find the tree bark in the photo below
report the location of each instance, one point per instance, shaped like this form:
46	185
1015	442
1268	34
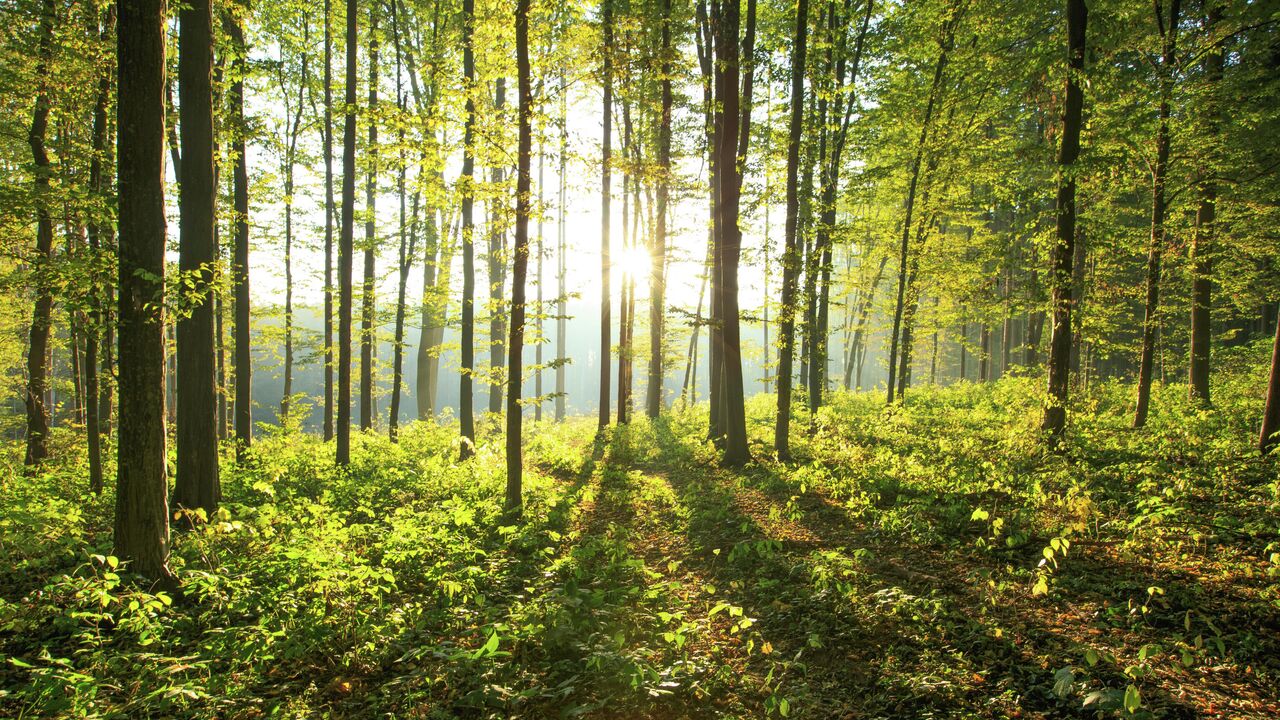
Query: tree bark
790	257
42	315
658	251
242	361
1063	253
1203	234
142	506
197	485
346	240
327	129
1155	251
1269	437
606	331
369	289
466	400
520	265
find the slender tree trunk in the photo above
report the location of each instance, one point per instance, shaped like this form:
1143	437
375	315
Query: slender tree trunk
242	362
562	291
864	314
368	292
497	264
291	156
327	130
1151	321
790	258
42	315
346	240
605	197
520	265
142	503
984	360
98	186
1202	237
537	358
1063	253
408	241
658	251
197	485
466	400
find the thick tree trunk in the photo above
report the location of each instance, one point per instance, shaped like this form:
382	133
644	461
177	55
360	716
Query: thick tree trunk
1269	437
1063	252
520	265
142	505
197	485
346	240
728	57
1151	321
466	400
42	315
242	361
369	289
791	255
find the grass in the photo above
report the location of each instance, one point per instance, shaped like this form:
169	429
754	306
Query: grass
922	561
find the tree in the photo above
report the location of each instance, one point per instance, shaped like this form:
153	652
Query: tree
467	188
196	437
791	253
97	400
1269	437
1206	216
142	504
520	264
606	302
1155	251
346	241
368	291
658	252
42	314
243	360
327	129
1063	251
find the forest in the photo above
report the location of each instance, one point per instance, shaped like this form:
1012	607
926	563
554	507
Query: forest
639	359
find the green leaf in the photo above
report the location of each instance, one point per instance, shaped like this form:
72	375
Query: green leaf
1132	699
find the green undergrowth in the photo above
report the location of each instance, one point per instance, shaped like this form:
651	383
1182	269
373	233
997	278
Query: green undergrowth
925	560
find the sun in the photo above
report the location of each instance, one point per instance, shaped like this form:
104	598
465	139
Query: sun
634	261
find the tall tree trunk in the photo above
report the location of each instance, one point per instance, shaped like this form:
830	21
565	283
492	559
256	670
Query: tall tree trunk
408	241
197	485
1151	321
903	259
466	411
864	314
520	264
606	331
142	503
628	242
1203	234
561	257
327	129
728	54
539	249
497	258
984	360
98	186
42	315
658	251
1269	437
242	362
1063	253
791	258
346	240
368	292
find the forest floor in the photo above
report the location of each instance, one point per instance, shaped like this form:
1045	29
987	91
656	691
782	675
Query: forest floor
925	561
